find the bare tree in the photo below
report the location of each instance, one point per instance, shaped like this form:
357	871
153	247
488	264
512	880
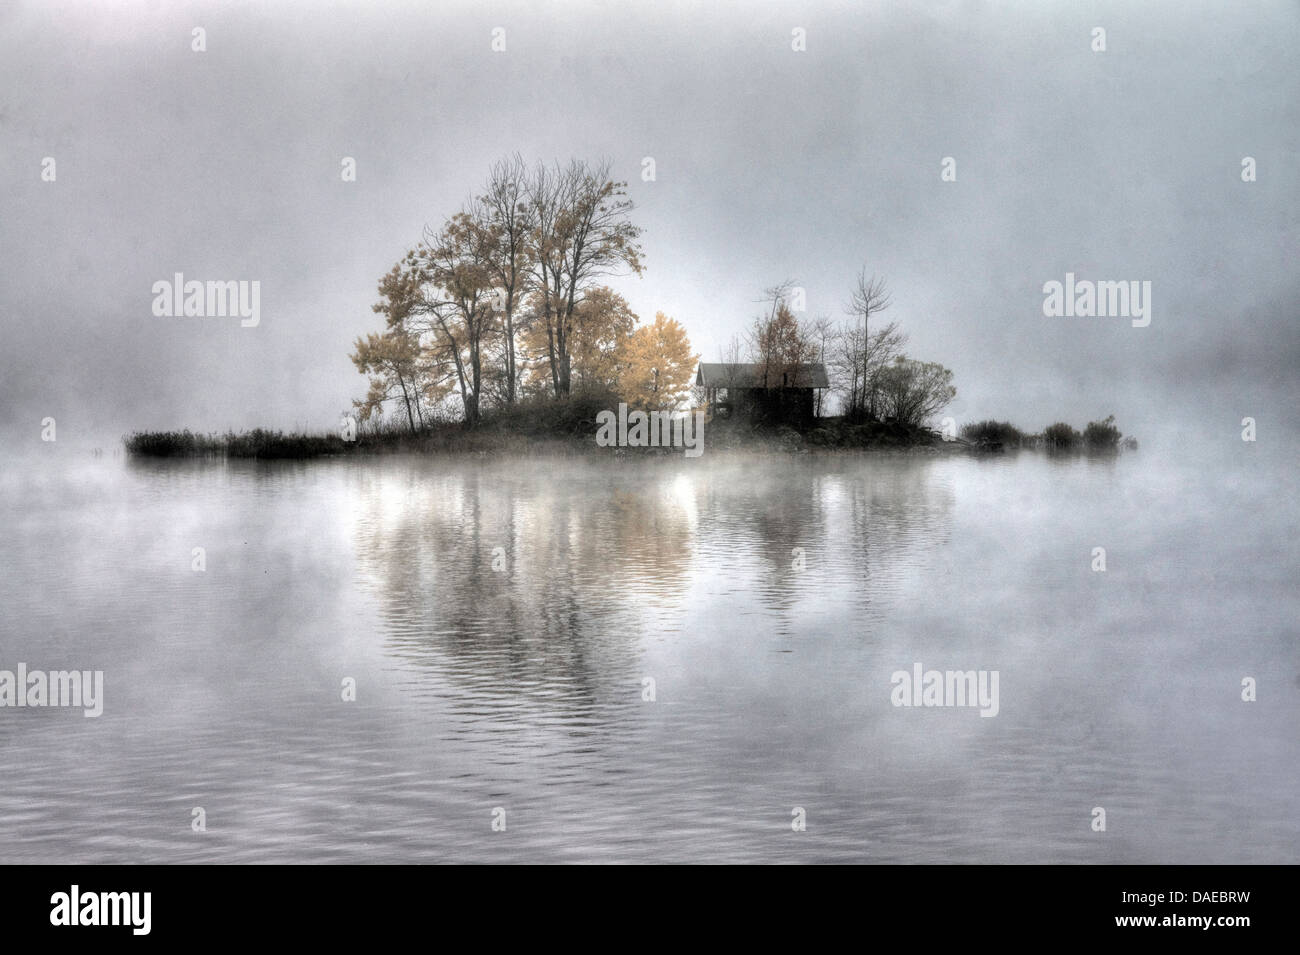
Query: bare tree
730	357
860	355
731	354
503	212
581	231
869	297
820	332
857	361
778	295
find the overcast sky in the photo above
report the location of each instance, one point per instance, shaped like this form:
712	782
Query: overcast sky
770	164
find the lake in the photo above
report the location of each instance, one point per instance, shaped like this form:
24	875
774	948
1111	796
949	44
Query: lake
629	660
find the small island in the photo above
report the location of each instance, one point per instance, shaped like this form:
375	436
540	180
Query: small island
500	336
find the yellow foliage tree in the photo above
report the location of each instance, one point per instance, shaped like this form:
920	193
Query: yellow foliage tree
655	365
601	324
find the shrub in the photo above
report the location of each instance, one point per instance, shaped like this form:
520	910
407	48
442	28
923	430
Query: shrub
993	432
1101	435
276	444
573	414
1060	437
912	392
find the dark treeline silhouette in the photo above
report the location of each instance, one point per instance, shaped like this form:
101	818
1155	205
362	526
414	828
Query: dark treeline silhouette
1061	436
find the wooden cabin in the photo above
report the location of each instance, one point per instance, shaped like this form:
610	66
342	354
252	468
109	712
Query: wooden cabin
775	394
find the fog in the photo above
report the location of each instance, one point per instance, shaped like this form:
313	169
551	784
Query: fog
770	164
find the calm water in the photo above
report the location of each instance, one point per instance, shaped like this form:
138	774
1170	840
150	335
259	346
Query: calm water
521	686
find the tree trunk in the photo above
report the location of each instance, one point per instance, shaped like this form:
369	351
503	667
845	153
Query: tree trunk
407	398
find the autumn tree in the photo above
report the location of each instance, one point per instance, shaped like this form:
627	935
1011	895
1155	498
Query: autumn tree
581	231
517	271
655	366
452	303
602	323
779	345
503	213
391	360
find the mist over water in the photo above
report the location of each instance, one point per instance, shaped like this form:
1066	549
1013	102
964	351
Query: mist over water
521	686
653	659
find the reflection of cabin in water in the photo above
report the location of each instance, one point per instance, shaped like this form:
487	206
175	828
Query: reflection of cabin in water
768	392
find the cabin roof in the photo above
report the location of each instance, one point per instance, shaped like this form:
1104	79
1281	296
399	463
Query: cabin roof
757	375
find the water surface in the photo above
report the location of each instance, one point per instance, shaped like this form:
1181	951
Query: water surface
769	602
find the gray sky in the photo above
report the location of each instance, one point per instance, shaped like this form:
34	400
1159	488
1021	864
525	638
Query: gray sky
770	163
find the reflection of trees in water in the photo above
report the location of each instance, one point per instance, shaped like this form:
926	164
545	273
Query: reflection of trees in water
583	548
757	514
893	507
850	515
600	554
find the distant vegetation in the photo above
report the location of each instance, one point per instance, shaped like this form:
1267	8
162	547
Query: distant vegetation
505	305
1060	437
990	432
164	444
247	444
1098	436
1101	435
540	424
535	423
499	334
